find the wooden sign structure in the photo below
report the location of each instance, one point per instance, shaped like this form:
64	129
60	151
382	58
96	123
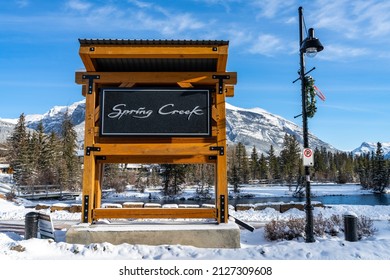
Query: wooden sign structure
154	101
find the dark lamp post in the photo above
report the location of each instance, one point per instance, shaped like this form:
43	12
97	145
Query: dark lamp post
309	46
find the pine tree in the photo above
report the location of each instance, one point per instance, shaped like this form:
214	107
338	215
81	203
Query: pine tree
290	159
113	177
51	155
18	151
242	163
364	170
141	180
205	178
72	173
174	177
235	179
273	163
264	170
254	165
380	172
155	179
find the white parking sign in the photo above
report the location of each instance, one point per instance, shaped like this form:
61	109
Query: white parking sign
308	159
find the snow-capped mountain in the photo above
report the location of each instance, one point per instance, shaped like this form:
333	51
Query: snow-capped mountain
368	147
252	127
52	119
257	127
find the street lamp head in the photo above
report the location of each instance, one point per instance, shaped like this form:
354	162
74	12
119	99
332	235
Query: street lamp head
311	45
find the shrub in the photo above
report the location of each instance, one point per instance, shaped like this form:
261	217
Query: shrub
281	229
295	227
365	227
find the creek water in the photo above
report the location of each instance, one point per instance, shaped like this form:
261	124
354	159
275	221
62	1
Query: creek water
361	199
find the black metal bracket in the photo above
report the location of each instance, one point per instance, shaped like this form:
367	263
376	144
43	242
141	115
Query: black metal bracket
90	149
212	157
220	81
222	207
101	157
90	81
218	148
86	211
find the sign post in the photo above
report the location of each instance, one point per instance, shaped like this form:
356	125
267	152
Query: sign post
154	101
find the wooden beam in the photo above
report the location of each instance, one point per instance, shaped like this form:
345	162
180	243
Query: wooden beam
154	213
194	78
149	52
156	149
229	90
222	59
154	140
87	62
150	159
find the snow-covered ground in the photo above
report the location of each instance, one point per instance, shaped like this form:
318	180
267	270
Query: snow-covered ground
253	244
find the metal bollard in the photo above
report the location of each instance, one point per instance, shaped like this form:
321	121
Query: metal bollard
31	225
350	228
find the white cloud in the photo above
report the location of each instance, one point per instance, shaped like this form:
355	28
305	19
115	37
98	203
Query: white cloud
342	52
172	25
267	45
140	4
22	3
354	19
78	5
271	8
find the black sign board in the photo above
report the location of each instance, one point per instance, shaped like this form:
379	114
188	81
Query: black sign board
155	112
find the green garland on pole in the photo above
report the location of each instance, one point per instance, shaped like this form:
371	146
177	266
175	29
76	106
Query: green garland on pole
310	93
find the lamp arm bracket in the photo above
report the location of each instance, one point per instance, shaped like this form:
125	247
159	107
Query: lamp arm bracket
312	69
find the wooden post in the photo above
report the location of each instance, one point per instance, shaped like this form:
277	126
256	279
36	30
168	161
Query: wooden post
221	180
88	193
99	172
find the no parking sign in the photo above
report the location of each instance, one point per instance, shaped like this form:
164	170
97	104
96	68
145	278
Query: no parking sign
308	159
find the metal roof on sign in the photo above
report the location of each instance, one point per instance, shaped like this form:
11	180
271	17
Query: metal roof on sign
88	42
119	55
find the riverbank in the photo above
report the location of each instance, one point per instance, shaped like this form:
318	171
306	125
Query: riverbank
254	246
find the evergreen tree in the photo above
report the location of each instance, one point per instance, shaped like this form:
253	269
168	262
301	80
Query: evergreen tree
155	179
174	177
141	179
51	155
264	171
273	163
380	172
242	163
18	152
70	163
114	177
254	165
235	179
364	170
205	175
290	159
33	155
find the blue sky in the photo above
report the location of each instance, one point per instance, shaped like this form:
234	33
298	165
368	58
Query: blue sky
39	54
